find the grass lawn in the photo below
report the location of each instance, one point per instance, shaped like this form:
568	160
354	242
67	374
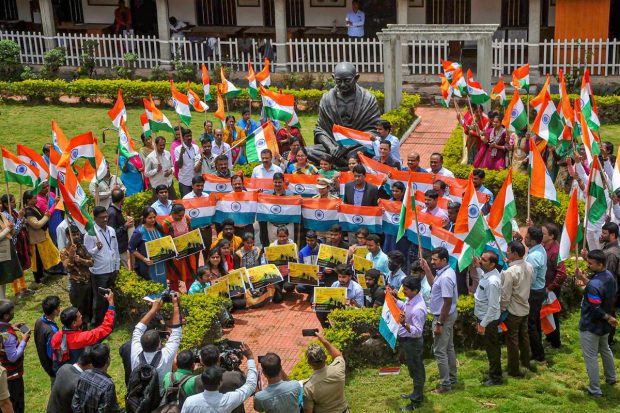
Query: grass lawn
31	125
611	133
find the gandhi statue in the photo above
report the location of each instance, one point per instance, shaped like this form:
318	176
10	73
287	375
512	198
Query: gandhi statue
349	105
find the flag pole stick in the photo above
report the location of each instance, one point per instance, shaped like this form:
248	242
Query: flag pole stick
527	108
529	197
417	230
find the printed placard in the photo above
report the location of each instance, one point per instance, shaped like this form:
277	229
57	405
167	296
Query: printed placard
264	275
306	274
331	256
243	272
188	244
161	249
281	254
361	251
218	289
327	299
361	265
236	284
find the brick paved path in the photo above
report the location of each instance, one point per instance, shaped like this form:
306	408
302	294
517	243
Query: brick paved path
431	134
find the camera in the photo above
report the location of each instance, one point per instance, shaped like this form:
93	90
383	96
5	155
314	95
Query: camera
230	355
166	295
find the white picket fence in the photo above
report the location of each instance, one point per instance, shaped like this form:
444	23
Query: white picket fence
601	56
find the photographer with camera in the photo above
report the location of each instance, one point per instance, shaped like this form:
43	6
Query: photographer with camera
281	395
146	344
213	399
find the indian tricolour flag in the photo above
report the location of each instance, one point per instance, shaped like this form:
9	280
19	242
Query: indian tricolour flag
260	139
449	68
446	90
475	90
548	124
227	88
81	146
278	209
521	77
59	139
504	209
615	178
264	77
391	215
200	210
470	225
499	92
252	83
146	128
541	184
442	238
458	82
238	206
157	120
35	159
515	118
206	83
389	323
126	147
591	142
571	232
353	217
596	199
75	202
319	214
18	171
216	184
118	111
279	106
57	168
588	104
537	102
424	225
181	104
220	113
304	185
564	108
349	137
194	100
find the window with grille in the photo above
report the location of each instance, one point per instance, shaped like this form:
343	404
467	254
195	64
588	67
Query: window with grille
515	13
294	13
216	12
8	10
70	11
448	11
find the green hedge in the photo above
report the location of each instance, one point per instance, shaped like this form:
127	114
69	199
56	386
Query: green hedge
203	314
541	209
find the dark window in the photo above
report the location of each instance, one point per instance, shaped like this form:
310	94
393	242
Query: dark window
216	12
448	11
8	10
294	13
515	13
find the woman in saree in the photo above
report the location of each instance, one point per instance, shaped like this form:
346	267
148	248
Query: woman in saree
147	231
494	148
184	269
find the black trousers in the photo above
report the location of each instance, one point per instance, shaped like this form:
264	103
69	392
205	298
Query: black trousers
413	353
494	350
534	329
16	390
184	190
81	296
100	304
39	274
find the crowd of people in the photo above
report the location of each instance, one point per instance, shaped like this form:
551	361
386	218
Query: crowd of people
509	291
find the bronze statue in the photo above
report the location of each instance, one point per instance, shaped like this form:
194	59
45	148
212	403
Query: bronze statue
349	105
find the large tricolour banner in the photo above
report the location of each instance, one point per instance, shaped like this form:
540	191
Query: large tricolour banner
353	217
238	206
320	214
279	209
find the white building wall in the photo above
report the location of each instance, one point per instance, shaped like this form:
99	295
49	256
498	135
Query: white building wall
250	16
416	15
98	14
485	11
325	16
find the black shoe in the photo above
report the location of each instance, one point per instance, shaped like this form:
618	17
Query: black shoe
611	383
491	382
518	375
410	407
595	395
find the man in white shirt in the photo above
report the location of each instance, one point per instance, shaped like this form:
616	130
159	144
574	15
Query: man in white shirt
384	128
430	200
103	248
437	166
104	188
188	156
220	147
267	169
355	20
159	168
211	400
146	345
487	311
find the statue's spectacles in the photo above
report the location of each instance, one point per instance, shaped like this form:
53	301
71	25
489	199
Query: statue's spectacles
344	79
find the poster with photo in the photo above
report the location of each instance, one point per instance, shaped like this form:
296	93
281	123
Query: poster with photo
188	244
327	299
331	256
281	254
219	289
306	274
160	249
264	275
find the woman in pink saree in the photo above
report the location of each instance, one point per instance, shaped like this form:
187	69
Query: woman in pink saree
495	146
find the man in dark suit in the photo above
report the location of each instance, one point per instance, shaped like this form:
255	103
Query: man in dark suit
359	192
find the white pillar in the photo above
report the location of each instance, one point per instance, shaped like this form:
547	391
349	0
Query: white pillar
392	71
533	37
281	35
163	29
47	21
402	8
484	60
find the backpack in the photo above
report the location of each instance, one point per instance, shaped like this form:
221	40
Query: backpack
175	396
143	394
